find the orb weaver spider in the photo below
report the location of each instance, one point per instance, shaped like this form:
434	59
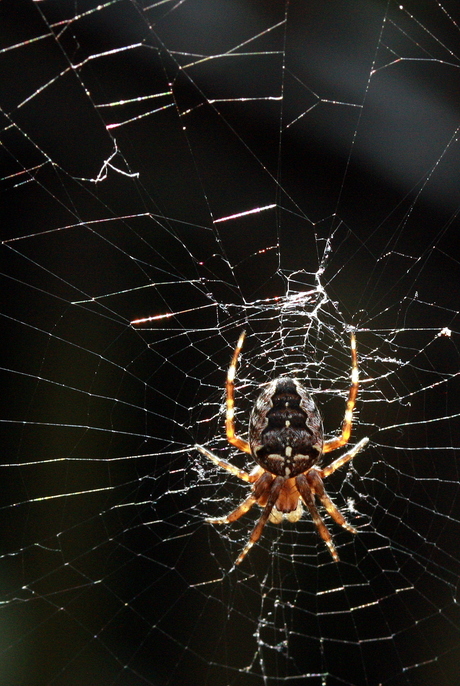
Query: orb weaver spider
286	440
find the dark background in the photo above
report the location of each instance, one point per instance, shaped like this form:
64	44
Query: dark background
343	117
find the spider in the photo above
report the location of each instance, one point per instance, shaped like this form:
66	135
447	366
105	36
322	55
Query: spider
286	440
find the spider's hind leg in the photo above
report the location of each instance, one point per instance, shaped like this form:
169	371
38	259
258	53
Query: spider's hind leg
230	400
240	473
343	459
339	441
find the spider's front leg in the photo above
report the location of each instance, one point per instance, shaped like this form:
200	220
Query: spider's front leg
275	485
242	508
311	484
309	500
316	485
260	491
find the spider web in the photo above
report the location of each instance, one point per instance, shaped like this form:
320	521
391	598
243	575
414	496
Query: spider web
175	172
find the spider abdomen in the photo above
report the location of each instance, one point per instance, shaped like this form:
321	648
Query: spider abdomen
285	428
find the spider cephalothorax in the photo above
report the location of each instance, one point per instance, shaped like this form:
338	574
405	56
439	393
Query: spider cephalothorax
286	440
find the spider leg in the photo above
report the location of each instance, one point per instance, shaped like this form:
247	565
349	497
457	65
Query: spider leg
260	493
240	473
343	459
230	390
344	437
275	489
307	496
242	508
316	485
